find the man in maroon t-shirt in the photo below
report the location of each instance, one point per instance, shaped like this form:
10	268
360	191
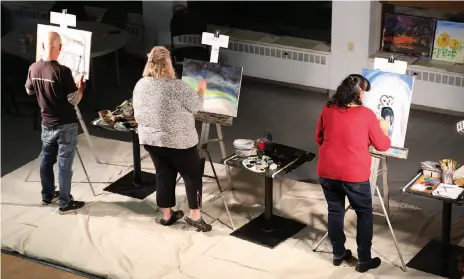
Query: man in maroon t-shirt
57	94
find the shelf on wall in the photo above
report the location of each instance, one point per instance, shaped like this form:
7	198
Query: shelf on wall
264	38
428	63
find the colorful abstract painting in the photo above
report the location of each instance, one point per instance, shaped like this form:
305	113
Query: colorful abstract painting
449	42
408	35
390	98
223	85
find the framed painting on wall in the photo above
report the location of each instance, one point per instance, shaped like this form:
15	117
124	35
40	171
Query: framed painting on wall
408	35
449	41
390	98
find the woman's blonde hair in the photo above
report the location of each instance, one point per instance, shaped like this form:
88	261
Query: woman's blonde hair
159	64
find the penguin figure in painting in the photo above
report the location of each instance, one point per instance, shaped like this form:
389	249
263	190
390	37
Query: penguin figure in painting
386	102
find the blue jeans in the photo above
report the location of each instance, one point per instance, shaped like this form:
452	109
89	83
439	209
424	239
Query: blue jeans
360	198
58	141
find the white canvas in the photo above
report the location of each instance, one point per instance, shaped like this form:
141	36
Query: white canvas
75	51
390	98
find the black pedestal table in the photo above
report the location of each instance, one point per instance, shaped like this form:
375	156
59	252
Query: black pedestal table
137	183
268	229
438	257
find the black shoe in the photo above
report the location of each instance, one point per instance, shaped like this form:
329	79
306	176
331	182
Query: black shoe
72	206
52	200
373	263
347	256
55	198
200	224
175	216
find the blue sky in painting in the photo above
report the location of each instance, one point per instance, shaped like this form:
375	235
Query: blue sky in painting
454	29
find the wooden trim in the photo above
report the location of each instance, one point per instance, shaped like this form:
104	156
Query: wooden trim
447	6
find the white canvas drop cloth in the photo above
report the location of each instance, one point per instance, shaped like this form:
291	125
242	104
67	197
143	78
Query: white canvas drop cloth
116	237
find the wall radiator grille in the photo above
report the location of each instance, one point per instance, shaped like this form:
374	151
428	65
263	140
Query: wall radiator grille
436	77
262	50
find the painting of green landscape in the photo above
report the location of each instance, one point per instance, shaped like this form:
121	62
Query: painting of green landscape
223	85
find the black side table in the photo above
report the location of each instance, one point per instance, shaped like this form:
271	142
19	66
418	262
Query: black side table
268	229
438	257
137	183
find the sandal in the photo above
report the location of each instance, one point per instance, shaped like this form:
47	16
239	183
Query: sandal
200	224
175	216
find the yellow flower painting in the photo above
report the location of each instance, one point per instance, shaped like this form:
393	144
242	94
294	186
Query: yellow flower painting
449	42
455	44
443	40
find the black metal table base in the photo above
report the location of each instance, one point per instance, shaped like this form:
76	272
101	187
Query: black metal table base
255	231
429	260
127	187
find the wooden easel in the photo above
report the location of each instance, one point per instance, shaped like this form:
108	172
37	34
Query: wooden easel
379	161
215	41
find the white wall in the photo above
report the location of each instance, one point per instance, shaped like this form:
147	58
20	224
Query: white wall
358	23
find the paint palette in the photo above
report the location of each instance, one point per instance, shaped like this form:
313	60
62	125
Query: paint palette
255	164
425	184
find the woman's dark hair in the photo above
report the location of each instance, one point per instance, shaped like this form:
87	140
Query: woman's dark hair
348	92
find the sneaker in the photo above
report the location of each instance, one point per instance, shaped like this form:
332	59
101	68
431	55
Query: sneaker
200	224
72	207
55	198
347	256
52	200
175	216
373	263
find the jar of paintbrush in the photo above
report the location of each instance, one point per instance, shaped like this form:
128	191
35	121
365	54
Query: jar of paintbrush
448	167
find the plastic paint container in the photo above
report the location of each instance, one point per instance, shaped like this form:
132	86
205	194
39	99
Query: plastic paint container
243	147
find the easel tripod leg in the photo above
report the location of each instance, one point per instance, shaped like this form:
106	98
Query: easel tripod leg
86	133
391	229
386	193
85	172
220	190
326	234
224	154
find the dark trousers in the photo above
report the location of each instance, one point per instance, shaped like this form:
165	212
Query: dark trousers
360	198
168	163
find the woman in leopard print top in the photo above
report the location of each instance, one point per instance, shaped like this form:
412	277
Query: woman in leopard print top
164	108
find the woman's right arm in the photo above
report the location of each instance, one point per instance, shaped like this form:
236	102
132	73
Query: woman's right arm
192	100
377	137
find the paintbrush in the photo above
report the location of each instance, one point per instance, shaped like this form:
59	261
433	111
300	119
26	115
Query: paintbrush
448	165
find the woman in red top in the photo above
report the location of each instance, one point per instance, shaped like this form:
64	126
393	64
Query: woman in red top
344	132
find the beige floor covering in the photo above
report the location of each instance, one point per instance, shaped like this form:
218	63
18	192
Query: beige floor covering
116	236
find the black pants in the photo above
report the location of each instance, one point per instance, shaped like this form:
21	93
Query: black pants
168	163
360	198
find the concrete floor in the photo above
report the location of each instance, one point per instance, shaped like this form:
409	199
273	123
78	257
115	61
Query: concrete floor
290	113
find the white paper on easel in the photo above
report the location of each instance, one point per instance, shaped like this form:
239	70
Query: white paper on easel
75	49
398	67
